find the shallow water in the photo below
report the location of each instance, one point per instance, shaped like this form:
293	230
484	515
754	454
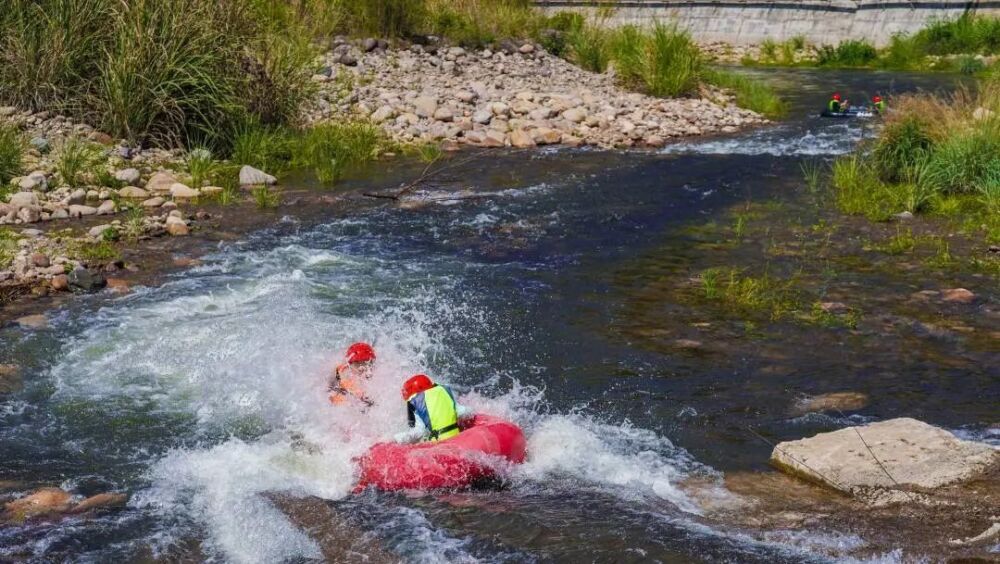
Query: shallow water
546	299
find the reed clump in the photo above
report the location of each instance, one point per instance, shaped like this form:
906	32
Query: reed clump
932	150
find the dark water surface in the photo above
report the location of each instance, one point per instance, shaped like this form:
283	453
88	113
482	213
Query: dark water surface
554	297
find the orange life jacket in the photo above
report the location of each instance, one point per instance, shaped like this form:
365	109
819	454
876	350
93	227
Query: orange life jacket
346	386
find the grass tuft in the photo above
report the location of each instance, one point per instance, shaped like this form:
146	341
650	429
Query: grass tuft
12	148
75	159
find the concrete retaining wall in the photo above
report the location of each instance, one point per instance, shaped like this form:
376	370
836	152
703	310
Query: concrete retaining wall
750	22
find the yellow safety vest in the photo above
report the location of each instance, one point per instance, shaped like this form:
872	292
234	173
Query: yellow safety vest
436	408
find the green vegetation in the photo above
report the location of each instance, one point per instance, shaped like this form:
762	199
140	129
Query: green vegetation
947	44
330	148
98	252
749	294
851	53
11	153
931	152
202	167
75	159
750	93
8	246
663	61
266	198
169	72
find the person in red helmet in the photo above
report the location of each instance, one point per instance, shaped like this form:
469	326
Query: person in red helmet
431	411
879	104
346	380
836	105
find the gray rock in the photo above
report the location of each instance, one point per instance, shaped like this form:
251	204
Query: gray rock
872	461
178	190
97	232
32	233
369	44
383	113
250	176
107	207
482	117
78	197
21	199
444	114
59	213
85	280
161	182
128	175
425	106
40	144
81	211
153	202
133	192
29	214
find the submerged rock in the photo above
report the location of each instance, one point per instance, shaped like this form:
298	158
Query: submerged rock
957	295
85	280
10	378
836	401
43	502
880	462
37	321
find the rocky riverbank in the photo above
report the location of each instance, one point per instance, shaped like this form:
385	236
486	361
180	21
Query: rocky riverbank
516	96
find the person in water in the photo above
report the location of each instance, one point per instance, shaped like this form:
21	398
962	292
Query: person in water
431	411
835	105
347	379
878	104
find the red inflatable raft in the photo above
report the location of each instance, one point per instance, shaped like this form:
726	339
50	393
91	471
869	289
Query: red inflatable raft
485	445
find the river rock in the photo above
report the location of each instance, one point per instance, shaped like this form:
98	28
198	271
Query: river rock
39	260
118	285
521	139
153	202
482	117
21	199
383	113
128	175
37	321
250	176
29	214
10	378
40	144
76	198
161	182
181	191
107	207
97	232
425	106
133	192
59	282
34	181
211	190
42	502
81	211
59	213
835	401
913	453
100	501
176	226
958	296
85	280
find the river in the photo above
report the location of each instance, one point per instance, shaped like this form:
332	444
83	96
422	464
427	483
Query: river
536	299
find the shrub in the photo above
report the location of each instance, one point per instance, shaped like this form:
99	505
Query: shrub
903	53
902	145
851	53
11	153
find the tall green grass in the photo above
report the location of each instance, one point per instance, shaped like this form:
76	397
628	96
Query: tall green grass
12	148
169	72
750	93
662	61
329	149
932	152
851	53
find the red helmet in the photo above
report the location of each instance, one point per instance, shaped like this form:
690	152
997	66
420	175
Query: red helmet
360	352
836	97
416	384
877	99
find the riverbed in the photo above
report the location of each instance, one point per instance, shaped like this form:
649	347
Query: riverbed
555	287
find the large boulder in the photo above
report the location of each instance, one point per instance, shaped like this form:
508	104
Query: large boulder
877	462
